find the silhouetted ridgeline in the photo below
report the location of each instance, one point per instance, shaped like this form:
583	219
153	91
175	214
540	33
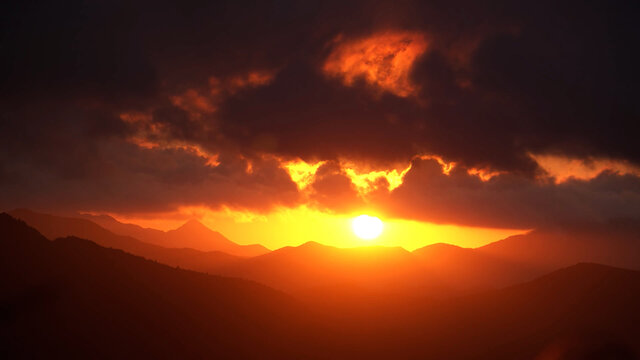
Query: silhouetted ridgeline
54	227
191	234
435	271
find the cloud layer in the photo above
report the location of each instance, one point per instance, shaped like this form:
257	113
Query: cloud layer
150	106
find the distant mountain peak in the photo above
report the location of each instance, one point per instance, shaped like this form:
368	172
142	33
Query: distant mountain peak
193	224
439	248
312	244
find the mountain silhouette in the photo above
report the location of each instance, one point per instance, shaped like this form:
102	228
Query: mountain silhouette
147	235
192	234
320	273
469	269
524	257
72	298
585	311
316	272
54	227
195	235
311	269
615	243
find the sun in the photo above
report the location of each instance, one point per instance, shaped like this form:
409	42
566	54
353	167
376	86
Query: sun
367	227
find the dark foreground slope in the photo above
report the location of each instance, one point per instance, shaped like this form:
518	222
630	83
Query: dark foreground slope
73	297
586	311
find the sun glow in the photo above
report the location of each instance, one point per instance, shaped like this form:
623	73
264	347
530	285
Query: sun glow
367	227
290	227
301	172
365	181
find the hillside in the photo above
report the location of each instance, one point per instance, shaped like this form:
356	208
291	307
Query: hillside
74	298
586	311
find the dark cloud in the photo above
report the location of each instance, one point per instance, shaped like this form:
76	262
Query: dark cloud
510	200
547	78
333	190
499	80
127	178
311	116
567	74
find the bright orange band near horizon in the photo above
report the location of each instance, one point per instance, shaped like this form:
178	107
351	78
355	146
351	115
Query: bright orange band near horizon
296	226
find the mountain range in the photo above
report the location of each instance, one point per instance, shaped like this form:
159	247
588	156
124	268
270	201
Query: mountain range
192	234
54	227
434	271
73	298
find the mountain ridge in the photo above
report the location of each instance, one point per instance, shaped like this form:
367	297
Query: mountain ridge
437	270
73	298
53	227
208	240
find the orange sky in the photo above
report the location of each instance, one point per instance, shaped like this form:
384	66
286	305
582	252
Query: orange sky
294	226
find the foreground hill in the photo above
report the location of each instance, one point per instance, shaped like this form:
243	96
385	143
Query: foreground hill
192	234
586	311
73	298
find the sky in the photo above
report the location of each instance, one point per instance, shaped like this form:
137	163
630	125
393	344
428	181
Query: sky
279	121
